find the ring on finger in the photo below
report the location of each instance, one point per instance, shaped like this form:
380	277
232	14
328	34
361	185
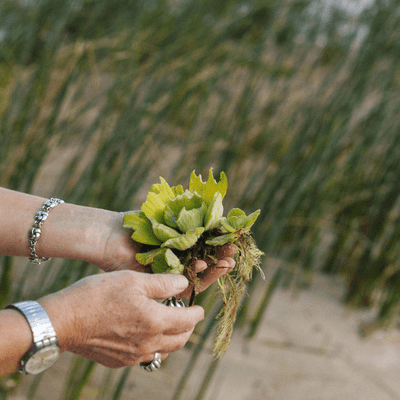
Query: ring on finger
153	365
173	302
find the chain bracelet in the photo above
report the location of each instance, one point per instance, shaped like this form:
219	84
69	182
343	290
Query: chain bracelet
35	231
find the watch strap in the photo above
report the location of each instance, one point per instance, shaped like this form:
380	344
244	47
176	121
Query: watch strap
37	318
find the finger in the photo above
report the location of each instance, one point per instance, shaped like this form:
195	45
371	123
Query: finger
212	274
163	286
175	342
222	264
227	250
104	356
199	266
186	294
209	275
178	320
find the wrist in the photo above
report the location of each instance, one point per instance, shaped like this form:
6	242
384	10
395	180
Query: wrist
45	350
63	316
75	232
15	338
118	250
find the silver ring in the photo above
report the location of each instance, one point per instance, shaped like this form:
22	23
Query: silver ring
173	302
153	365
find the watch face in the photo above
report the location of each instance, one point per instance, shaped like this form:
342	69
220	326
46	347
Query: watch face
42	359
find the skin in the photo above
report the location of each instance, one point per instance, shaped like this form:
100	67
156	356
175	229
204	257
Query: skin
121	323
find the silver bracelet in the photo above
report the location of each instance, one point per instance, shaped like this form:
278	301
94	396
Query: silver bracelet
35	231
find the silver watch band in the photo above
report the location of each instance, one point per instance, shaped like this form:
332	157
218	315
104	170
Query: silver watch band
37	318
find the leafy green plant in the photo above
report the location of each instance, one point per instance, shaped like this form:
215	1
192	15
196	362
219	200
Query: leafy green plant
177	226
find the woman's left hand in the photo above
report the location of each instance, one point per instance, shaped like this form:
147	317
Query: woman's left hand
88	234
119	253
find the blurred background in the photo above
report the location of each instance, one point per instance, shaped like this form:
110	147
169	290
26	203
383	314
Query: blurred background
296	100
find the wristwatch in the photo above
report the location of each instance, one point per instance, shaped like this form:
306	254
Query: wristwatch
45	350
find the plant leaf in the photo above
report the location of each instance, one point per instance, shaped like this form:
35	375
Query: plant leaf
191	219
208	189
143	230
153	207
167	262
235	212
177	190
159	264
148	257
184	241
221	240
226	225
237	222
163	232
163	190
174	263
214	212
156	201
170	218
251	219
237	219
188	200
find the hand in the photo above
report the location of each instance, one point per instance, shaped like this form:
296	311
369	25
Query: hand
83	233
120	251
113	318
209	270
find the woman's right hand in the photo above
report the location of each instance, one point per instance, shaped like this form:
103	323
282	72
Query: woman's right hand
113	318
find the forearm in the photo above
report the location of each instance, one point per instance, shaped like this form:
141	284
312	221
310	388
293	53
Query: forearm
16	336
70	231
15	340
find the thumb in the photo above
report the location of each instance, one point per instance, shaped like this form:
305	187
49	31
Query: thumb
163	286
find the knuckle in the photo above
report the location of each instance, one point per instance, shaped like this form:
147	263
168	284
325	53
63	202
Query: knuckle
154	283
174	345
178	346
126	276
161	281
128	360
182	341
